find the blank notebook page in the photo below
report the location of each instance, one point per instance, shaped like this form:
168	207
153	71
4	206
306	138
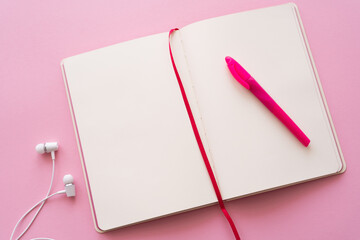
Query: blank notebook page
250	148
139	149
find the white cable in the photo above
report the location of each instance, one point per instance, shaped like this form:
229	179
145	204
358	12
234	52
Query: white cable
32	220
44	199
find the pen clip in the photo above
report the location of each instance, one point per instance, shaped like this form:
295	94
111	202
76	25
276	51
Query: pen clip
238	72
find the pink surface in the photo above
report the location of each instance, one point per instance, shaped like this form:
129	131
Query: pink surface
34	37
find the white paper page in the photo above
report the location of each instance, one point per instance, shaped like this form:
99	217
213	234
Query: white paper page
251	149
140	152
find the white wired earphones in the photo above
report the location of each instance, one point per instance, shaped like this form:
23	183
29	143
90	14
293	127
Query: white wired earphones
68	180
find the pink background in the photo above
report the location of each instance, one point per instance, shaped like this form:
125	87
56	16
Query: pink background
35	36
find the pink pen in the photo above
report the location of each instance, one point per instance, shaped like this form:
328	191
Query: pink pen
245	79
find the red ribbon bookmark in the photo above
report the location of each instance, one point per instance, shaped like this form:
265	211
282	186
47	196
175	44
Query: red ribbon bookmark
201	146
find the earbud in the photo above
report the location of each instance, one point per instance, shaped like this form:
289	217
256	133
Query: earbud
49	147
69	185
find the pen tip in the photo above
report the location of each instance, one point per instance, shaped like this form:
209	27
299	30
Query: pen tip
228	59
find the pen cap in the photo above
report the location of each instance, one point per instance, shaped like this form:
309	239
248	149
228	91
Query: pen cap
239	73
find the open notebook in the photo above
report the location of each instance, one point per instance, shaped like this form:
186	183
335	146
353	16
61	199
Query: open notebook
140	157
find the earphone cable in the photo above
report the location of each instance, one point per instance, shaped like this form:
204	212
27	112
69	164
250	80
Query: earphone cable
42	200
37	212
42	238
